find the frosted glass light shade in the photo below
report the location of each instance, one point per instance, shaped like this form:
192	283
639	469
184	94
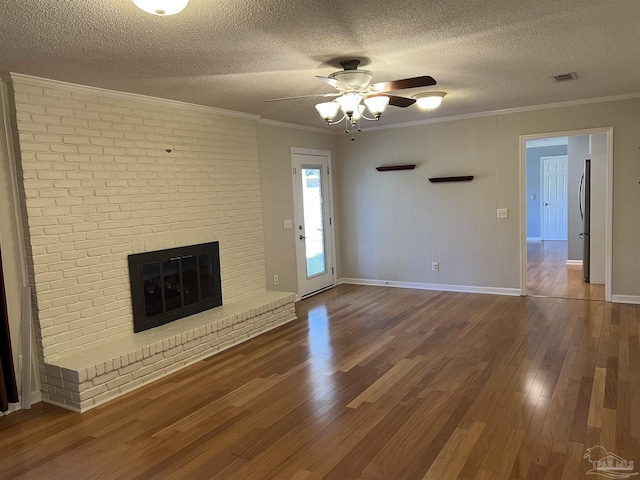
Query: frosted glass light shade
349	103
161	7
377	105
328	110
429	100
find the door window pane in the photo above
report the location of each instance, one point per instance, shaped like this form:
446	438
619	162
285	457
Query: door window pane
313	221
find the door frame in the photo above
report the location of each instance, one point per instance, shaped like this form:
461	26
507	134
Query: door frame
608	195
330	232
542	185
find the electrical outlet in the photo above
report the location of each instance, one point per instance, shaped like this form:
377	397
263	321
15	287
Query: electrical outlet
435	266
275	280
287	224
503	213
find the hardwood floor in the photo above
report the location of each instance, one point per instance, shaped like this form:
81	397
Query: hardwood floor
548	275
369	383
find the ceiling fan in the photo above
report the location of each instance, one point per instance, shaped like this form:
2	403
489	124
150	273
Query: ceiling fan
354	88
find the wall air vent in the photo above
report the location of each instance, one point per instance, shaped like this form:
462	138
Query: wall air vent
565	77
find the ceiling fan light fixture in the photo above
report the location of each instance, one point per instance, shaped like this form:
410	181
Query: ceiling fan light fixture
328	110
359	100
161	8
349	103
358	114
377	104
353	78
429	100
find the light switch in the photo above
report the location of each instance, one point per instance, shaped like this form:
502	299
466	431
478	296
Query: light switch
533	196
503	213
287	223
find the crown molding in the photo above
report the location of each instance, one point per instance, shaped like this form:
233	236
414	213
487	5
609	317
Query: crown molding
506	111
306	128
11	77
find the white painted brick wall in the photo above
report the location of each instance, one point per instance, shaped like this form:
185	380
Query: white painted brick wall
99	185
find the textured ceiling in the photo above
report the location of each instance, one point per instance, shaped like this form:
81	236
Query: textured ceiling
231	54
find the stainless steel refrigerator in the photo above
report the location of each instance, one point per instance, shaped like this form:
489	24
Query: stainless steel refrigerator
584	199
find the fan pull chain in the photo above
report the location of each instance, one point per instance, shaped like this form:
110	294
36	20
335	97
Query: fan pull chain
350	124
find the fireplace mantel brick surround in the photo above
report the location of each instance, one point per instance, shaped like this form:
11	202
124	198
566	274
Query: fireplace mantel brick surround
88	378
104	175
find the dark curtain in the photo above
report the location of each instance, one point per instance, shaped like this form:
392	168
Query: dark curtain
8	386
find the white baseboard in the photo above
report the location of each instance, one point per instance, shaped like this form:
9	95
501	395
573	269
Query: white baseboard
36	396
13	407
534	239
61	405
574	262
635	299
432	286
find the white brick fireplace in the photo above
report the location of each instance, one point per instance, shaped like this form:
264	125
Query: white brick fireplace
106	174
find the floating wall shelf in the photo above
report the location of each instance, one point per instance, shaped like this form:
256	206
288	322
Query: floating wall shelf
395	167
466	178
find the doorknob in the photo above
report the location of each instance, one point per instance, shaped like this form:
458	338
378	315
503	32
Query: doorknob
546	204
302	237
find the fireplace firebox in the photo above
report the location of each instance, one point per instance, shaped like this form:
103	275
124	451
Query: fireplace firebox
170	284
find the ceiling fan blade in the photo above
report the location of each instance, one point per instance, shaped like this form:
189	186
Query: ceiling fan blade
335	83
424	81
336	94
400	101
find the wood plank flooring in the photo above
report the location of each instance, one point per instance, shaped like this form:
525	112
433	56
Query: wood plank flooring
370	383
548	275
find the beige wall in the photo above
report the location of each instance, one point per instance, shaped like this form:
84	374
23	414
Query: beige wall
393	225
274	145
10	250
598	152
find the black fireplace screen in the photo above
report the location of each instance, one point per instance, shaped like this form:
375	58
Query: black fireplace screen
170	284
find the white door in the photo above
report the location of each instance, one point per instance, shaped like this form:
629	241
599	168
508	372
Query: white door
554	198
313	222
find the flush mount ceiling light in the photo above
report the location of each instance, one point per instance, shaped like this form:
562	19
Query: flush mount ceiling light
429	100
355	93
161	8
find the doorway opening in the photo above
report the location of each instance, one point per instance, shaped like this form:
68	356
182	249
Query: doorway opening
566	247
